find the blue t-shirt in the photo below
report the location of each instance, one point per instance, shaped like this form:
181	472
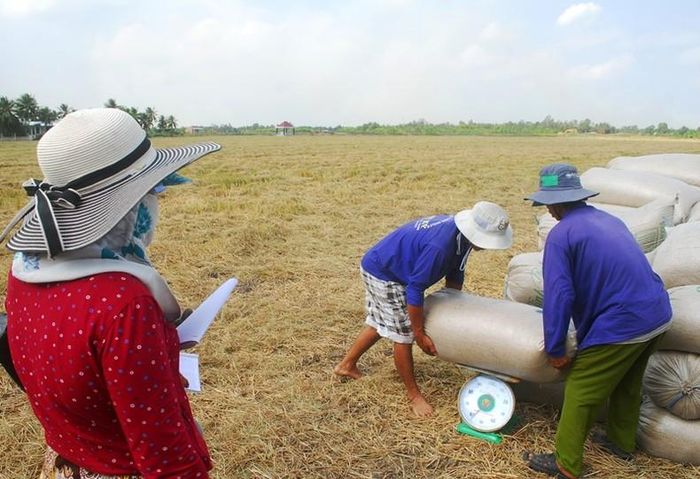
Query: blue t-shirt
596	273
419	254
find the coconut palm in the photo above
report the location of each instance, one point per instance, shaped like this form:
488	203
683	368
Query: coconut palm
47	116
111	103
9	123
63	110
171	122
26	108
149	118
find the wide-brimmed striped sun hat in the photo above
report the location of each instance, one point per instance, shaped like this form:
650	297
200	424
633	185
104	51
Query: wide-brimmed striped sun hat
97	165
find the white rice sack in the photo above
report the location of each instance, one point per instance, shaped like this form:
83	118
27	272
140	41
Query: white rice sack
694	214
524	279
635	188
662	434
677	259
684	334
672	381
650	256
490	334
545	223
647	223
683	166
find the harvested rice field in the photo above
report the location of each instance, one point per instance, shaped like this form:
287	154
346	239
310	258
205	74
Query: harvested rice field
291	217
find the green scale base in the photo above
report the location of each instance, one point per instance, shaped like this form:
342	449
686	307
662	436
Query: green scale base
492	437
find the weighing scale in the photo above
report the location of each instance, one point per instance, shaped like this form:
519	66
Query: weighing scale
486	404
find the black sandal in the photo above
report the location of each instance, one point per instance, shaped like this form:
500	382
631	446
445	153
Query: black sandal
546	464
601	439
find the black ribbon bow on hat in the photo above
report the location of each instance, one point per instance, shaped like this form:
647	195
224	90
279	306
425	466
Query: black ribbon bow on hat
46	196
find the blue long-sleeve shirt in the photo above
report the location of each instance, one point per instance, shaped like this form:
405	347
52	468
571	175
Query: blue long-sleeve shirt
419	254
595	273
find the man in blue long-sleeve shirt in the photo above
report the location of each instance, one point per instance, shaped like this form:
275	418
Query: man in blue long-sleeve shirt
397	271
596	275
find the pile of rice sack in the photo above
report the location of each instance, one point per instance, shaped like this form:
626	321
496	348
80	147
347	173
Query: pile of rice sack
658	198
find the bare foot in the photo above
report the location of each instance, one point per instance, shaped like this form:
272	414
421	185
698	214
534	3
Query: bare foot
420	407
351	372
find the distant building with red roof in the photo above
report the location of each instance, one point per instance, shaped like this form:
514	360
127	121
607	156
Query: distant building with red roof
284	129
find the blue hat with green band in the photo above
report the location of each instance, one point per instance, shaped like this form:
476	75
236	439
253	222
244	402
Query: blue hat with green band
559	183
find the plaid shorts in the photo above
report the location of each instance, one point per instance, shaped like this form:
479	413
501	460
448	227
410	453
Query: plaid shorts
385	302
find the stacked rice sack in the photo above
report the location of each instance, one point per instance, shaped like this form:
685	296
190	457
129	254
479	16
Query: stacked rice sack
658	198
669	422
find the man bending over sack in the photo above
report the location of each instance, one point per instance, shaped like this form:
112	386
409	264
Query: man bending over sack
595	273
397	271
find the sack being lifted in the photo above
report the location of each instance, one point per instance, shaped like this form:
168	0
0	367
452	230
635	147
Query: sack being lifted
636	188
490	334
682	166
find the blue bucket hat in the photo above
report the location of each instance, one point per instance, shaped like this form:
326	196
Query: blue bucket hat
559	183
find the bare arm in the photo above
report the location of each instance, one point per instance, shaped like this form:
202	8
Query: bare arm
415	315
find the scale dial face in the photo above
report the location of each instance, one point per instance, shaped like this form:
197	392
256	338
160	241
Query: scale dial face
486	403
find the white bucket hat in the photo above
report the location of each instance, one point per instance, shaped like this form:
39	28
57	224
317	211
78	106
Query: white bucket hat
486	226
97	164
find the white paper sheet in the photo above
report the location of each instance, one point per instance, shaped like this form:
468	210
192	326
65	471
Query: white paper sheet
189	367
193	328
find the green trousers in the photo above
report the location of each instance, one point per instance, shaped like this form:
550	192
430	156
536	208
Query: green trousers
612	373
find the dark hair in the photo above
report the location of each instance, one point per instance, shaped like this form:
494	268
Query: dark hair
572	204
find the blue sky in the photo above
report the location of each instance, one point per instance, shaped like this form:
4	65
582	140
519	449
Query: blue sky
355	61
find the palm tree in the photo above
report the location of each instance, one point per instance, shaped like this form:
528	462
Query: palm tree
149	118
9	123
63	110
171	122
162	123
26	108
47	116
111	103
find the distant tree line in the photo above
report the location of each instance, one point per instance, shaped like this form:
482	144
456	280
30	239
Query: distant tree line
149	119
16	116
546	127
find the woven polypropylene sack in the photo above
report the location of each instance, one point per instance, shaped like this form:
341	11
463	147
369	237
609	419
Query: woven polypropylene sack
672	381
647	223
662	434
490	334
684	334
524	279
682	166
677	259
636	188
694	214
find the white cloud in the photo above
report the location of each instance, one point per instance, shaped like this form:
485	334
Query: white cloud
23	8
601	70
578	11
690	56
493	32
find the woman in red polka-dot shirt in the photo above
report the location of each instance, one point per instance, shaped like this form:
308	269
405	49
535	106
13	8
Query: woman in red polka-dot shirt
90	323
